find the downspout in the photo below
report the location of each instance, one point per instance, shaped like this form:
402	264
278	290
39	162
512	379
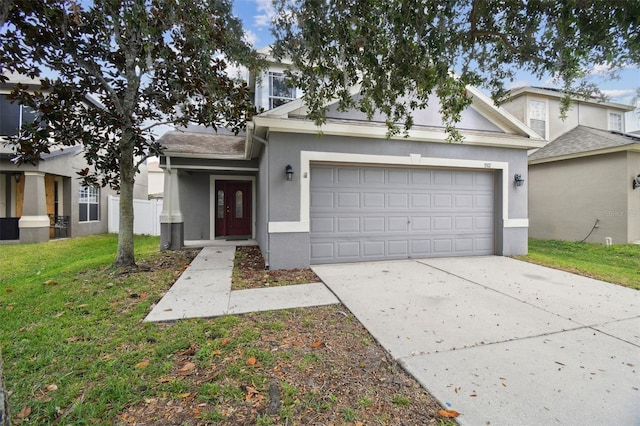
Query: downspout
167	196
266	153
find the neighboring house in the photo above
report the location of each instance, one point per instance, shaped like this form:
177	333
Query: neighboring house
539	108
581	187
44	201
344	192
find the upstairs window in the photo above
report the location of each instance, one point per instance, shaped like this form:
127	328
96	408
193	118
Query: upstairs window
615	121
89	204
13	116
538	117
279	90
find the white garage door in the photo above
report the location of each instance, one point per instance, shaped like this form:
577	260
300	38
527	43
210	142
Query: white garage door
376	213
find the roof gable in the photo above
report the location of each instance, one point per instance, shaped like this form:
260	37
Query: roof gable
481	121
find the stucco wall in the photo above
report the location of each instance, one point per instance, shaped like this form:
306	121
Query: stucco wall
284	196
580	113
261	208
195	193
633	198
566	198
429	116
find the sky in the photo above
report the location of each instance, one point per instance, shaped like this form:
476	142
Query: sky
256	17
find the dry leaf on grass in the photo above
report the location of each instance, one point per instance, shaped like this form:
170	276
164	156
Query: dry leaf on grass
187	369
316	344
24	413
142	364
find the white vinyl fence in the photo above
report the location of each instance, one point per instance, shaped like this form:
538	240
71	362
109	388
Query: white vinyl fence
146	216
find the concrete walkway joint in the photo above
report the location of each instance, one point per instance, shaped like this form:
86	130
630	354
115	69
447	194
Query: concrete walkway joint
204	290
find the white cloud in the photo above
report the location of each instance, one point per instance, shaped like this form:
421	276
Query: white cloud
618	93
266	12
517	84
250	37
606	70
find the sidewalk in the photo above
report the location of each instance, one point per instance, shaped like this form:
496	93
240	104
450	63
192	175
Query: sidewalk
204	290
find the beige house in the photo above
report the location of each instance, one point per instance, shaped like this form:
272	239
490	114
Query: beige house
539	108
585	185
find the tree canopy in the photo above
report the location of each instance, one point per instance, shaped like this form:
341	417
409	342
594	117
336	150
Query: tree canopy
400	52
114	69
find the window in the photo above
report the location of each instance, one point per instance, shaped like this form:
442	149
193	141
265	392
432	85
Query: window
538	117
239	208
279	91
615	121
89	203
12	116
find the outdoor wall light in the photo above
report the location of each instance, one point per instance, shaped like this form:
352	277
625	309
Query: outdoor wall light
636	182
17	177
289	172
518	179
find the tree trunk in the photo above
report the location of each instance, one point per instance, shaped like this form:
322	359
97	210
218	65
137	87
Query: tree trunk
4	399
125	255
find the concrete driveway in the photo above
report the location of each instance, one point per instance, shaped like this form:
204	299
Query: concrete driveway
501	341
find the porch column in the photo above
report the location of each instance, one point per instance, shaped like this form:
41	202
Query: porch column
171	221
34	222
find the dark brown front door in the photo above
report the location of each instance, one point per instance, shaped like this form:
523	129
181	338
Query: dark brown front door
233	208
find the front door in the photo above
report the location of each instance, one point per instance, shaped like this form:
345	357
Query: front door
233	209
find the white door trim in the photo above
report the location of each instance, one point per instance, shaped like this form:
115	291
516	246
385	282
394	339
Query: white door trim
212	201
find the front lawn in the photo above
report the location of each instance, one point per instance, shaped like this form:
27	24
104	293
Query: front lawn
619	264
76	351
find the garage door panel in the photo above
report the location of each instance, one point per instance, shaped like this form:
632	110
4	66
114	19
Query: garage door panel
348	249
463	179
398	176
420	223
398	224
373	248
442	200
483	201
373	224
322	225
349	224
463	201
422	200
373	200
398	248
398	200
322	251
348	176
376	213
421	177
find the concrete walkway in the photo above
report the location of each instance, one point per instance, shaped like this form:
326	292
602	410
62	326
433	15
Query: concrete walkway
204	290
501	341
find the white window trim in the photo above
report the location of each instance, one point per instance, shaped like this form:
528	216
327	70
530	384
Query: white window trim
98	203
270	76
528	111
621	114
413	160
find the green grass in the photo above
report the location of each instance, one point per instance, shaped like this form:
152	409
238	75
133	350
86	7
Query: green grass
619	264
65	354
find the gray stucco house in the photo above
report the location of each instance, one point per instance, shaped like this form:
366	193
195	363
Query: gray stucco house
586	185
351	193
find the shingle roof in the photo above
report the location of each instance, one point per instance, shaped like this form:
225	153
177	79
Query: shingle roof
583	139
212	145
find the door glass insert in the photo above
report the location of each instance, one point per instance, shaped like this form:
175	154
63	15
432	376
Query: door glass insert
220	209
239	208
